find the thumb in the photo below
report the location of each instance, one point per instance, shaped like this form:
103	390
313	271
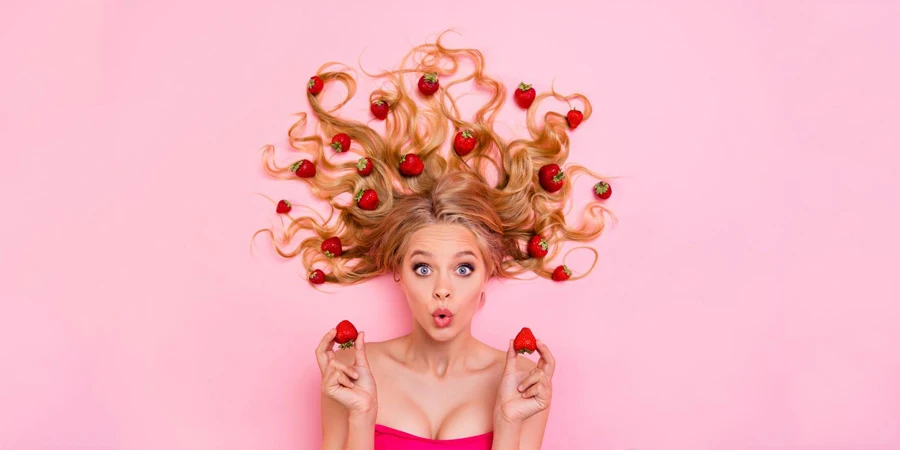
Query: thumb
510	359
361	358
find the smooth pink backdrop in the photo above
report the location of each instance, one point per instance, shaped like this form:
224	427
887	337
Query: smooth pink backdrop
747	298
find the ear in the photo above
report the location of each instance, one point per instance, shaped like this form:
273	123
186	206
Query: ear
481	302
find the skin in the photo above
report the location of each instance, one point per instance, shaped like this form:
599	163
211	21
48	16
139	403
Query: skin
437	383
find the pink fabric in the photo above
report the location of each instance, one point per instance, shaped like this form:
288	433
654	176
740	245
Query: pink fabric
387	438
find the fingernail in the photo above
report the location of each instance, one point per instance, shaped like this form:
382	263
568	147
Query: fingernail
520	388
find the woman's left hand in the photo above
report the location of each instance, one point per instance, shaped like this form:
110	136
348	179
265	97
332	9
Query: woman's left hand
522	397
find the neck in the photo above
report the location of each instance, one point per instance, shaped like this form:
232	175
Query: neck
438	358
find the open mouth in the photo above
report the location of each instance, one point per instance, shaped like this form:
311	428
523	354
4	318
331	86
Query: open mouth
443	320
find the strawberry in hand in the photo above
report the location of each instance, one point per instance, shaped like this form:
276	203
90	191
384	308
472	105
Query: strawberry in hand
522	395
346	374
346	334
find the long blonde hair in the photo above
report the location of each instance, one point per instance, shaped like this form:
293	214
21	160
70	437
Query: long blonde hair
504	209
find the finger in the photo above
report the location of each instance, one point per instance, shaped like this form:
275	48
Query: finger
362	358
344	381
532	378
533	391
341	367
324	351
549	362
510	358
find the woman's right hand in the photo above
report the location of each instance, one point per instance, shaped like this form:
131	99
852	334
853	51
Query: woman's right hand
347	378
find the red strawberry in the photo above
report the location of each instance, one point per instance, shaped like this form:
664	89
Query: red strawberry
411	165
561	273
524	95
304	168
603	190
551	177
364	166
464	142
346	334
574	117
525	341
315	85
332	247
317	276
340	142
379	109
367	199
537	247
283	207
429	84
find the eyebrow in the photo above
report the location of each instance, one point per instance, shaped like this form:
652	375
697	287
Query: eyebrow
429	255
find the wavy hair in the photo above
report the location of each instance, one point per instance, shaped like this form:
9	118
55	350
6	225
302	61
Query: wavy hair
493	191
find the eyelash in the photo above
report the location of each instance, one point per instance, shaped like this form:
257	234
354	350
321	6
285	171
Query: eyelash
466	265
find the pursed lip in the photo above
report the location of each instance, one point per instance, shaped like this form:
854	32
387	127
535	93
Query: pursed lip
442	312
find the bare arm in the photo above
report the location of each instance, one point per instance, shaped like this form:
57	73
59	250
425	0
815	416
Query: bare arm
520	417
343	427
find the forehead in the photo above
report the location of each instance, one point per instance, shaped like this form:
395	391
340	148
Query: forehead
443	241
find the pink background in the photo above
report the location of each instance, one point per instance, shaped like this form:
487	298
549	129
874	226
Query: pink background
747	298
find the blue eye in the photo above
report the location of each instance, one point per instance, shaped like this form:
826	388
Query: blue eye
423	269
420	266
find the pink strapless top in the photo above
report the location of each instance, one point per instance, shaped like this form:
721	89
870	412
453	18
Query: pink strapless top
387	438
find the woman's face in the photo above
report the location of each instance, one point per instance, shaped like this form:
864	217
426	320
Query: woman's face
443	275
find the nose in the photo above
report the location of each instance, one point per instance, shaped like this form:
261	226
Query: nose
442	286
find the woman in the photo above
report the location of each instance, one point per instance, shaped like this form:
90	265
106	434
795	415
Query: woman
442	225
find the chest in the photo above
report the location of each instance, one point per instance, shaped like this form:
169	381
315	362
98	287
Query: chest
449	408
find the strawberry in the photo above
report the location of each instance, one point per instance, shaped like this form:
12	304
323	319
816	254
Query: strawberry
340	142
429	84
304	168
317	276
464	142
411	165
574	117
603	190
537	246
561	273
346	334
379	109
367	199
315	85
525	341
364	166
332	247
524	95
283	207
551	177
